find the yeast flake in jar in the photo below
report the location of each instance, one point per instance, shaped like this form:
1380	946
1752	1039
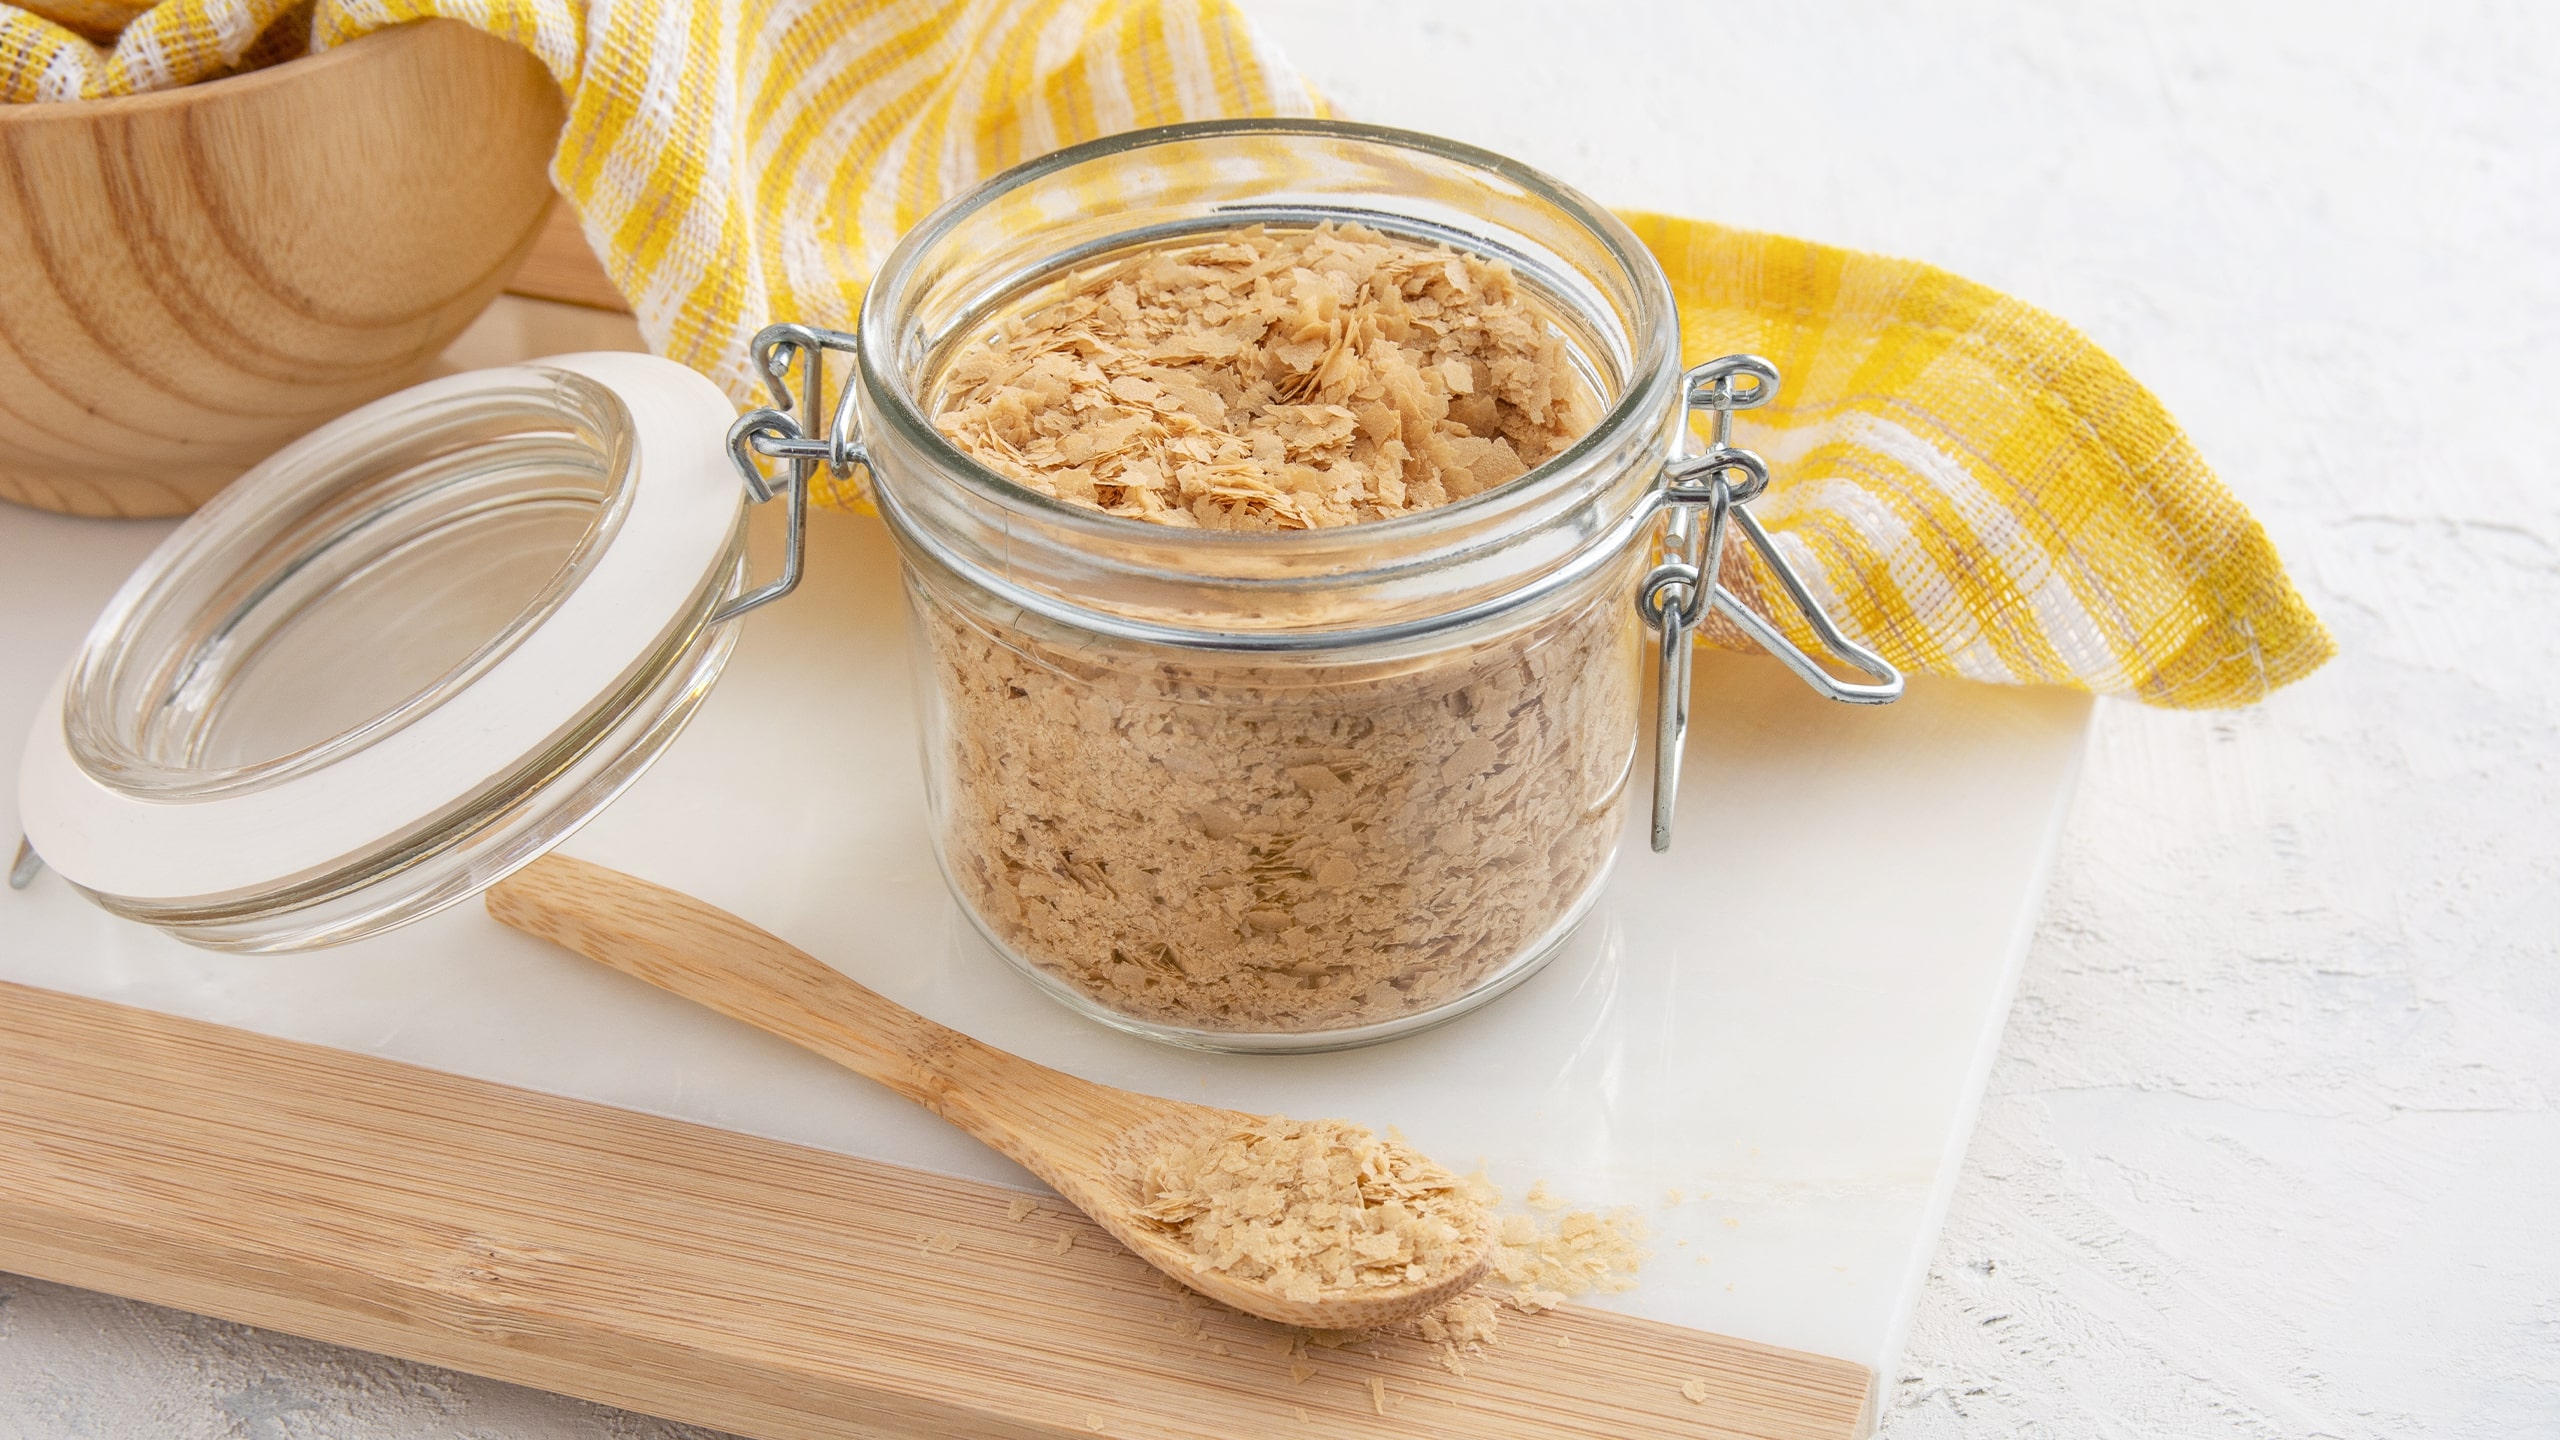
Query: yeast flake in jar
1269	844
1275	500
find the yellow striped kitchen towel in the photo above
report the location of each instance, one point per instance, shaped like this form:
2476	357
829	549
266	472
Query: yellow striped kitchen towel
1975	488
1972	486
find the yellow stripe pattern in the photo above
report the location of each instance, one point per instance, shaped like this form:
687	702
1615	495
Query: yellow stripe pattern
1974	488
1969	484
90	49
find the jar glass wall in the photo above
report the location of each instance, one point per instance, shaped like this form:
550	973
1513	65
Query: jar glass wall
1274	790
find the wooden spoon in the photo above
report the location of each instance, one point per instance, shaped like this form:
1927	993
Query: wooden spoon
1090	1142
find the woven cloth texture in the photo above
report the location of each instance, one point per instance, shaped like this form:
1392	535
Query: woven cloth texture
1969	484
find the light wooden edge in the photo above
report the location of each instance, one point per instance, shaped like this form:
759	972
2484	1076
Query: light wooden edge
560	266
768	1289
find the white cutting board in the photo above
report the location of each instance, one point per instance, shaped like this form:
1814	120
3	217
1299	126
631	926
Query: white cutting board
1788	1019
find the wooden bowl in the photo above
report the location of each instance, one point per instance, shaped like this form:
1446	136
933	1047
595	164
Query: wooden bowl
192	278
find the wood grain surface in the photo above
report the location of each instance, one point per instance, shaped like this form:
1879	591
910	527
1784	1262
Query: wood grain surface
189	279
762	1288
562	267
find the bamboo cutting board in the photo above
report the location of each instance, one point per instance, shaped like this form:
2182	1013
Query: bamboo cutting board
768	1289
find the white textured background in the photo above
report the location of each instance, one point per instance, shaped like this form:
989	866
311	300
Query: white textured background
2271	1148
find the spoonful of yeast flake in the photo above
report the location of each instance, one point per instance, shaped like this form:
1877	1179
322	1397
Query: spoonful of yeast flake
1319	1224
1315	1208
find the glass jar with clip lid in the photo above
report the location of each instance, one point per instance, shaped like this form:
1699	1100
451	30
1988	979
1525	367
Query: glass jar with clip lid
1294	789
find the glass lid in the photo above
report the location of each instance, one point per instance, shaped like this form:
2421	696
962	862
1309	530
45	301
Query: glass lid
402	656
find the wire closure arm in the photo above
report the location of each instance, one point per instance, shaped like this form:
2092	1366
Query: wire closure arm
771	432
1888	680
1676	596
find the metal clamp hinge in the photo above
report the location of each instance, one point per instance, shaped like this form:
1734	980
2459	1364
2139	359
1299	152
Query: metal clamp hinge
1677	593
771	432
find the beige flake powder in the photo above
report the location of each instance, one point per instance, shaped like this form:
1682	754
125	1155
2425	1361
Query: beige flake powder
1240	848
1540	1262
1244	845
1309	1208
1272	380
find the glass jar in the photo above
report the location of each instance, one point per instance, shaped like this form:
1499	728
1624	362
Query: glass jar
1276	791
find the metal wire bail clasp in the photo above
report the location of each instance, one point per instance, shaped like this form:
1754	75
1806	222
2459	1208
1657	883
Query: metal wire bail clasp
1678	592
771	431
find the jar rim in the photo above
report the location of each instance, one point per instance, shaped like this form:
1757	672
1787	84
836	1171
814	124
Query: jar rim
1654	351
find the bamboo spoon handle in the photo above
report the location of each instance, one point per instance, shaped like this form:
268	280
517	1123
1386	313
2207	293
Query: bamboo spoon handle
721	962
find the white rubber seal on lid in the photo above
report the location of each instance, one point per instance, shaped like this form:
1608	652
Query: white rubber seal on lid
683	504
